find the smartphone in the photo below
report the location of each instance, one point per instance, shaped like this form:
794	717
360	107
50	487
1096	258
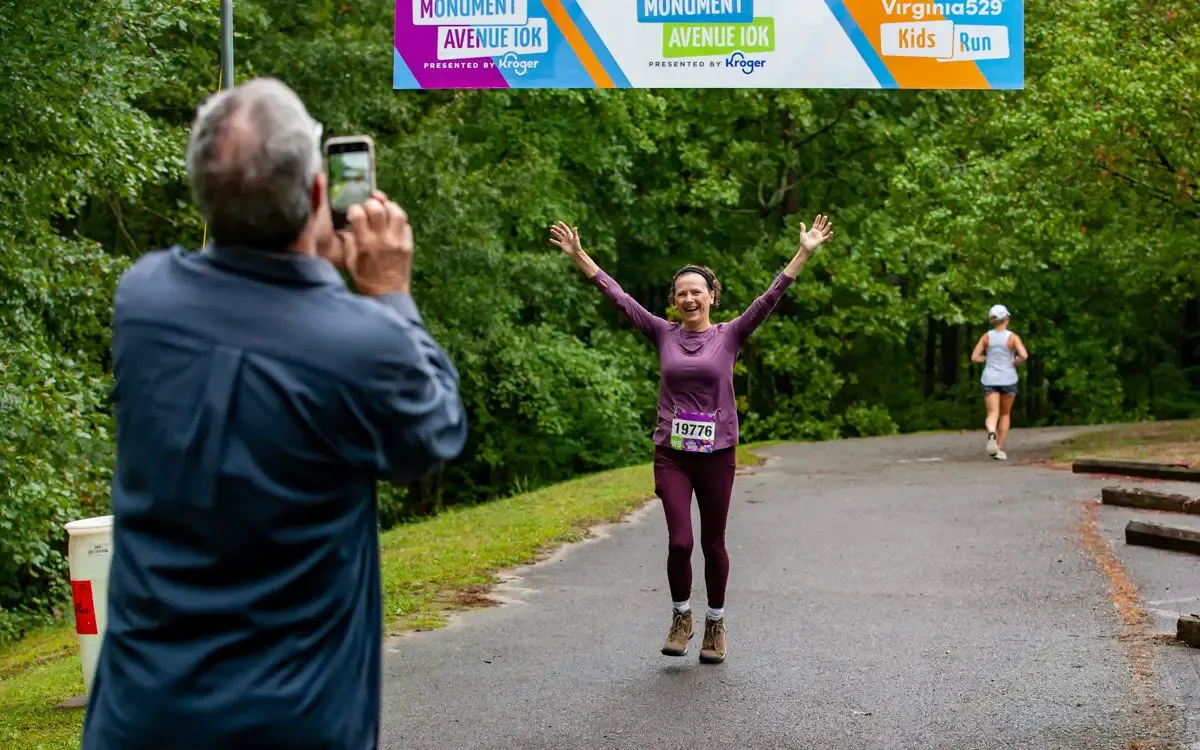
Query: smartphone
350	164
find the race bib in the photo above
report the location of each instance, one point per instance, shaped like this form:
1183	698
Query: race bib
694	432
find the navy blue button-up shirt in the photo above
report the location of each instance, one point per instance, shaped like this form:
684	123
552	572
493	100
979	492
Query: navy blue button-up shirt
258	401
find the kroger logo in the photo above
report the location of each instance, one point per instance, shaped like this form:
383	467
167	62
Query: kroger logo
739	60
510	61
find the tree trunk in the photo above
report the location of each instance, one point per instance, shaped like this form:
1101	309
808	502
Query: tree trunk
930	356
1189	342
791	197
950	355
418	499
1032	404
425	494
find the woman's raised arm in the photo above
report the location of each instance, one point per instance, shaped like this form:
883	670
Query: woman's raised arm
566	238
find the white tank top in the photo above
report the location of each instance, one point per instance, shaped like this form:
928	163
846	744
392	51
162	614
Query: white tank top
1000	369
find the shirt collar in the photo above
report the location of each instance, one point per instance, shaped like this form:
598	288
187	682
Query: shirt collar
285	266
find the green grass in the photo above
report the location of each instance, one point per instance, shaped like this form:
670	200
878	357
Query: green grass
36	674
1175	442
430	568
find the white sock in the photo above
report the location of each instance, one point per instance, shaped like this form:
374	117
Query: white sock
683	607
716	614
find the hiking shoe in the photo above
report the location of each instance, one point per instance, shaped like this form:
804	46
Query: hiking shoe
992	447
712	650
679	635
1000	455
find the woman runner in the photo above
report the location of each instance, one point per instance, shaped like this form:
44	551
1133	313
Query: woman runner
1000	350
697	434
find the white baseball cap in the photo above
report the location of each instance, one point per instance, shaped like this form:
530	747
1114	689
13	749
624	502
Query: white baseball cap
998	312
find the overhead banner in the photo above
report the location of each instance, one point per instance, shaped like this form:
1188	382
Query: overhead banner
784	44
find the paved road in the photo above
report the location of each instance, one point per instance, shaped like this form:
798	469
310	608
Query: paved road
885	594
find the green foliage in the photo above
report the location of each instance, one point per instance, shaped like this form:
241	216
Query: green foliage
75	145
1073	202
869	421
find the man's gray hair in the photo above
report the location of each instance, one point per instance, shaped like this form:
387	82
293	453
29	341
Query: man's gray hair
252	157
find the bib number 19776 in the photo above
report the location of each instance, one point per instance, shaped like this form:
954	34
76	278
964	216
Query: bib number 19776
694	432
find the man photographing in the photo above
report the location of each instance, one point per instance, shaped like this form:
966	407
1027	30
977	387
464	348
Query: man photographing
258	401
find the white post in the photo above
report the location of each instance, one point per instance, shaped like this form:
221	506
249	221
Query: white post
89	555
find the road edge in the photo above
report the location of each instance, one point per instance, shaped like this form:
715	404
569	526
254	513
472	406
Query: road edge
505	588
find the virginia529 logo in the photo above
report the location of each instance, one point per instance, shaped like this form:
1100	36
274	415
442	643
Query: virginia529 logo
747	65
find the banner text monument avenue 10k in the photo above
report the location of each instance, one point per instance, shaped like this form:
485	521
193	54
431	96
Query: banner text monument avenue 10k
724	44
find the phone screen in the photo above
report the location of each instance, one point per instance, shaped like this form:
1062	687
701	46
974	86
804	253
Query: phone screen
350	179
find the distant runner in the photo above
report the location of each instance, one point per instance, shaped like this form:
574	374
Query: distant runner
697	435
1000	350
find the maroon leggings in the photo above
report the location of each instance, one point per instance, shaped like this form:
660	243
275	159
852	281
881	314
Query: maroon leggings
676	475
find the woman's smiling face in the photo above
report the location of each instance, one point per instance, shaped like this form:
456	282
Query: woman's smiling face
693	299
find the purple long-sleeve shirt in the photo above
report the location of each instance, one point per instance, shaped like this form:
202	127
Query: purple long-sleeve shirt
696	368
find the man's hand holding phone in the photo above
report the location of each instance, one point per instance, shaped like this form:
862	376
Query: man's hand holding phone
377	249
350	164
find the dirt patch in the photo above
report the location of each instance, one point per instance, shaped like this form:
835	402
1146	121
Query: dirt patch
1136	634
475	596
1184	453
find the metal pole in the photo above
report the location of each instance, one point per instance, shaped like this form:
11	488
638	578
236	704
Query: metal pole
226	44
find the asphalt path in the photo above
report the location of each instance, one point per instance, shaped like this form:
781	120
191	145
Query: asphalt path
885	594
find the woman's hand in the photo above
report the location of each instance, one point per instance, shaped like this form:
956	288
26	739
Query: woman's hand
811	239
566	239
